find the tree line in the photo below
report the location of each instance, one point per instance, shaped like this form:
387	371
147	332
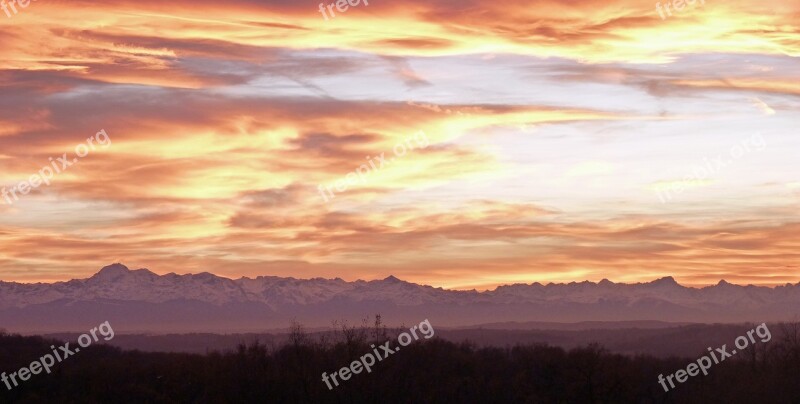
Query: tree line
427	371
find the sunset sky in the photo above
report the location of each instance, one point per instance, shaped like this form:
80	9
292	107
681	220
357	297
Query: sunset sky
552	126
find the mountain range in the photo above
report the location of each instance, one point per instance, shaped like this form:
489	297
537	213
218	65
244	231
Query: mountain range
142	301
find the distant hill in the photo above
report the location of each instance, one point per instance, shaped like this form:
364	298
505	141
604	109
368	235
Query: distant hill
662	342
579	326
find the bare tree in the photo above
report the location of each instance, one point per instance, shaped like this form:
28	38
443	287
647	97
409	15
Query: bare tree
379	333
297	334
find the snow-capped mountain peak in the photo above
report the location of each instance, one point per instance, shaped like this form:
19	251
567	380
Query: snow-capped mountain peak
661	299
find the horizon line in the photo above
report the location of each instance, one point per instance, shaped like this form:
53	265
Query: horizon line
665	279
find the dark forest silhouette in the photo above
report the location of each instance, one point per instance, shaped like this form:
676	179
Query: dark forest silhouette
434	371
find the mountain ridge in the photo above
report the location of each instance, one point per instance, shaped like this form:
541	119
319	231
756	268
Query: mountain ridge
119	268
148	300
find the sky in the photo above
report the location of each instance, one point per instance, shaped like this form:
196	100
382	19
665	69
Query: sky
457	144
